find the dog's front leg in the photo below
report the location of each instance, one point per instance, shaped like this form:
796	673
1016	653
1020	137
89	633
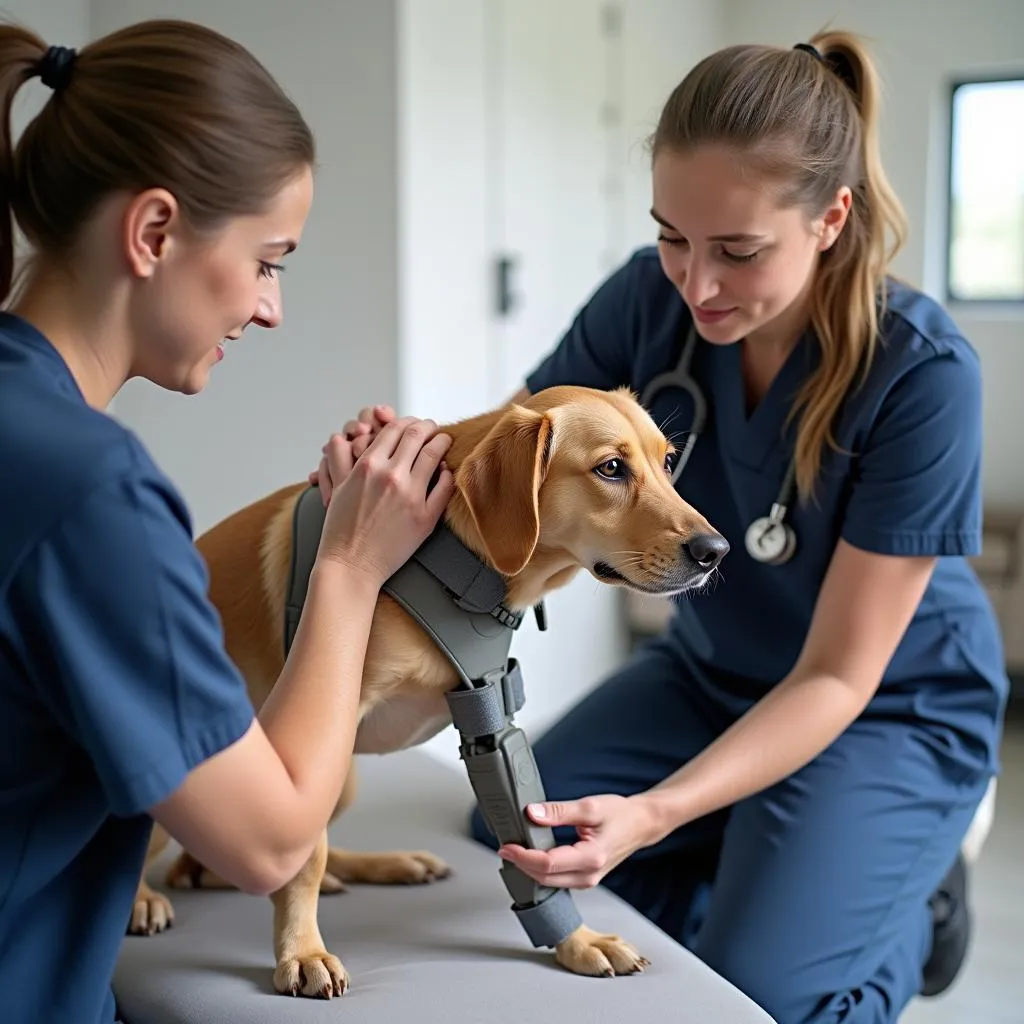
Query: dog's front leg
304	967
505	778
152	911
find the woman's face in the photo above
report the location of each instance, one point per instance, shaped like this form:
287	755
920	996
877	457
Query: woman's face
742	263
208	290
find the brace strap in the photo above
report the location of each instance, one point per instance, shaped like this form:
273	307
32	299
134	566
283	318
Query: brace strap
485	709
550	922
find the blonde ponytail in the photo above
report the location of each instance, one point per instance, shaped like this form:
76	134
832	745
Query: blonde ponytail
849	291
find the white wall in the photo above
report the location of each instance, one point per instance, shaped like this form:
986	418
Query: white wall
920	54
277	396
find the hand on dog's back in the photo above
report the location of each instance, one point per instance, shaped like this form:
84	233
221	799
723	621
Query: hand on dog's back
379	510
360	432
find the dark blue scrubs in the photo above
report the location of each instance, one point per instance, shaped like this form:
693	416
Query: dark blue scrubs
818	907
114	681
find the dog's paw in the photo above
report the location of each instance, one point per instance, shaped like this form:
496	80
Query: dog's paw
152	912
412	867
599	955
319	975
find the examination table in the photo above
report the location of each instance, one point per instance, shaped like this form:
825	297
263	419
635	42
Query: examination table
442	953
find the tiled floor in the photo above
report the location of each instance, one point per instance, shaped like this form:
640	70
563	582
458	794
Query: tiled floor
990	990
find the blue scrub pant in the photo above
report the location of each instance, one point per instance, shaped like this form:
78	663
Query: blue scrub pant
812	896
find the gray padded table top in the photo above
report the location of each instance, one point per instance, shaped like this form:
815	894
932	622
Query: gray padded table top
446	952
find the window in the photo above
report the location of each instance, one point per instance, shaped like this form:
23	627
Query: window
985	258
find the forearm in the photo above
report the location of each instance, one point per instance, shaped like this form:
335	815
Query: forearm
310	715
784	731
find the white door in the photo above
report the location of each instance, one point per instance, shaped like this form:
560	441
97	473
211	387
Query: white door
554	168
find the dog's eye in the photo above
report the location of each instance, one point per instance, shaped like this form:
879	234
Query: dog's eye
613	469
670	462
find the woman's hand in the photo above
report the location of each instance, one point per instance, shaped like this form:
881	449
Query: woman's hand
610	829
360	432
381	512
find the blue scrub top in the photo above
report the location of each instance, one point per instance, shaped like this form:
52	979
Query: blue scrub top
114	681
911	485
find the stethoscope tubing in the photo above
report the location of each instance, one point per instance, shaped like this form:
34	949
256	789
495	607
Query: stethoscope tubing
680	377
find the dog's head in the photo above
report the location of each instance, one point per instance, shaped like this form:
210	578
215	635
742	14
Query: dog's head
575	478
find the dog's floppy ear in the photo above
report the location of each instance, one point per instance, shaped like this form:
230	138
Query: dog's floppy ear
500	481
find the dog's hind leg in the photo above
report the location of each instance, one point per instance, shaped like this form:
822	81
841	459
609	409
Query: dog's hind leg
304	967
187	873
398	867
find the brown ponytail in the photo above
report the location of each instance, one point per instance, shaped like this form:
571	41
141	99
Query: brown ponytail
161	103
20	54
810	121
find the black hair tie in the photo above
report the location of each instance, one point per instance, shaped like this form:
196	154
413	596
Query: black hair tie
836	62
812	50
55	67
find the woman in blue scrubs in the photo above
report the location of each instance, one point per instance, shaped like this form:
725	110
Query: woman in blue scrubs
783	780
160	186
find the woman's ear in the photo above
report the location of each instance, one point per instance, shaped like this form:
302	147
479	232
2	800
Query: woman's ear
150	220
500	482
833	220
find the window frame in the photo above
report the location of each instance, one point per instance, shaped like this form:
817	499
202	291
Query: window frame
947	271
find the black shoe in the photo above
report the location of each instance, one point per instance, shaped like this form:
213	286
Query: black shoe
951	930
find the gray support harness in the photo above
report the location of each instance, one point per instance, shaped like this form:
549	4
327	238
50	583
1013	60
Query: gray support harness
459	602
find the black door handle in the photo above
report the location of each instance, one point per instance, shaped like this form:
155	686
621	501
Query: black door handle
504	266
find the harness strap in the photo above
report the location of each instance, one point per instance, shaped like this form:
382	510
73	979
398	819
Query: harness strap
307	526
475	588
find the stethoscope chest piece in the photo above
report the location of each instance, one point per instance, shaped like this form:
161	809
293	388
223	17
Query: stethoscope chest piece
770	539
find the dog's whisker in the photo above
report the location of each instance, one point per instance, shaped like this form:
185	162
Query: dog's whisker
713	579
663	426
631	563
632	558
678	439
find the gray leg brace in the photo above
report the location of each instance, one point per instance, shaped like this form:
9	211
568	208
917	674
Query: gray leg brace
504	777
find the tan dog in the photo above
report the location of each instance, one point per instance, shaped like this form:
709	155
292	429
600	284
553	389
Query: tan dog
570	479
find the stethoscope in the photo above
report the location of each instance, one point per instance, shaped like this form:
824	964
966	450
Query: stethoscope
769	539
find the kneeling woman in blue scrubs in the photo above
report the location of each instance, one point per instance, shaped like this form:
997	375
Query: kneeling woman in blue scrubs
784	779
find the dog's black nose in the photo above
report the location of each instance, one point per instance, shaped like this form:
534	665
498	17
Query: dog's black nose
707	549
